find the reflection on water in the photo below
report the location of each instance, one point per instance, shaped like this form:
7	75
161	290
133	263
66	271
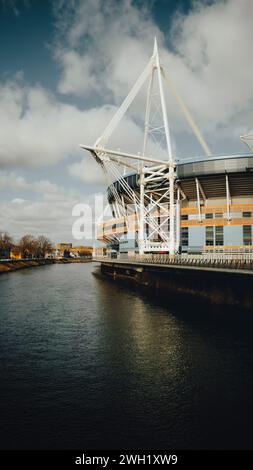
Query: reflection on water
89	363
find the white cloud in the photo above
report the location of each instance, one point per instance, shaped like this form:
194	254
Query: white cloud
106	45
52	218
49	213
87	170
37	217
101	48
35	128
215	44
45	189
38	130
77	75
17	200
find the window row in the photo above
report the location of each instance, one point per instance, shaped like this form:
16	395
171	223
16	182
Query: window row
215	236
217	215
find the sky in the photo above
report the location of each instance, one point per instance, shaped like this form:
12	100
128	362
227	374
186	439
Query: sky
65	67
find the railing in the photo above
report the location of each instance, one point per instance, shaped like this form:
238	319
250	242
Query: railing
209	260
16	260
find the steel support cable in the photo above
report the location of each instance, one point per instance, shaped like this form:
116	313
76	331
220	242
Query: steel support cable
111	185
130	192
186	113
115	192
121	181
125	105
244	138
156	227
116	196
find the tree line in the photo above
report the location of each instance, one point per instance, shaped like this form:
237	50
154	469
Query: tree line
30	246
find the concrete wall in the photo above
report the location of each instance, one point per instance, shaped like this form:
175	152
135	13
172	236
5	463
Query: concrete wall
233	235
197	237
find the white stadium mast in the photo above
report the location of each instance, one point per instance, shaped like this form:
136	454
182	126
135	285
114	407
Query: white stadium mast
150	201
248	140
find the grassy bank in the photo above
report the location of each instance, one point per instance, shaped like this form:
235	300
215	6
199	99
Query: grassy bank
13	265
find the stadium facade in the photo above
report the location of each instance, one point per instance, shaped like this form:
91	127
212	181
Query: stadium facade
213	208
165	205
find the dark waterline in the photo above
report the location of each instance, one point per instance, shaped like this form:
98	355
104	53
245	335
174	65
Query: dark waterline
86	363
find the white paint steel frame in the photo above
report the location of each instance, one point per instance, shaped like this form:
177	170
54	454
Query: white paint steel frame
247	139
150	168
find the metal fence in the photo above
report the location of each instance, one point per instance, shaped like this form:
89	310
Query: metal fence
209	260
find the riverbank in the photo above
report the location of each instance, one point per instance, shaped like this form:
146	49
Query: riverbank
206	285
13	265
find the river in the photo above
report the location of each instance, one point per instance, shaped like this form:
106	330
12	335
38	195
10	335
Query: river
86	363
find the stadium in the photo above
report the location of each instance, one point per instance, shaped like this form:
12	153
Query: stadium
164	205
213	208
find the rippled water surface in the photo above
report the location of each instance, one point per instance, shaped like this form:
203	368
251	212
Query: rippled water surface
86	363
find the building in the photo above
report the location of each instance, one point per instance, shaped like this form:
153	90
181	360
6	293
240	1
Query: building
68	250
213	207
63	246
63	249
15	252
165	205
100	251
81	252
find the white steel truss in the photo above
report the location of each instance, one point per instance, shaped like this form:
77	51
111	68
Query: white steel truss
248	140
156	209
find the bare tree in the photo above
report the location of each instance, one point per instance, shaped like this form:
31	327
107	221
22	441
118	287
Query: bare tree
27	246
35	247
44	246
36	251
6	243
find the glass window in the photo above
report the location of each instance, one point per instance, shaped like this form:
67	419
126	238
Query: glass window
219	236
247	234
218	215
246	214
209	216
184	236
209	236
184	217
